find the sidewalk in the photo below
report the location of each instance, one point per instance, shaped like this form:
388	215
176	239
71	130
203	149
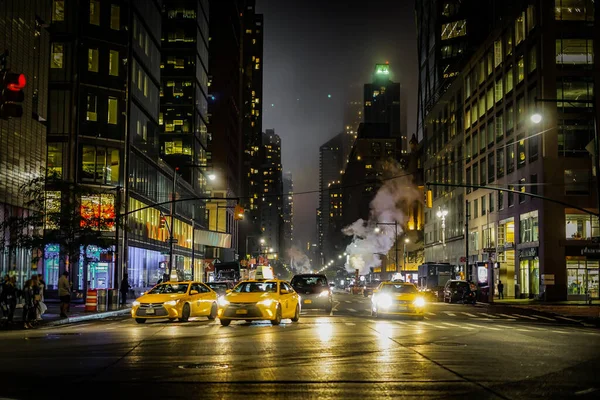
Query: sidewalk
565	308
77	314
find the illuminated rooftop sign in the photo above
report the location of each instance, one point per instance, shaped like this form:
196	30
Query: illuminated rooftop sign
382	69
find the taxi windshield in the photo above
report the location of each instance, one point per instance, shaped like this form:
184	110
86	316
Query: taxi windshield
256	287
167	288
405	289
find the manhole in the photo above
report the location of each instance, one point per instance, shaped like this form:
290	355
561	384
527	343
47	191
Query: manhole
449	344
204	366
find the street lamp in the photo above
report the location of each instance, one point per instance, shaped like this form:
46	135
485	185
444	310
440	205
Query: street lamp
340	256
262	241
377	229
212	177
442	214
536	118
406	241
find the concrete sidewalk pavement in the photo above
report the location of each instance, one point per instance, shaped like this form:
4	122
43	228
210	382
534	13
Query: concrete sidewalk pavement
77	314
570	309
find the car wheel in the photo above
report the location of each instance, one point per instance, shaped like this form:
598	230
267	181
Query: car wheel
296	314
277	319
185	313
172	319
213	311
225	322
328	308
140	320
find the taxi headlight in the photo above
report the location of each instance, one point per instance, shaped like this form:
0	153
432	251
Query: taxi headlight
222	301
324	293
384	301
136	303
170	303
266	302
419	302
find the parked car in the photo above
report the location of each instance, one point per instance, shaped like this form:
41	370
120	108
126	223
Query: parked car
456	290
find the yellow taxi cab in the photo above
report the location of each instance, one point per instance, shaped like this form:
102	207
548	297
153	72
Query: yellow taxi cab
397	298
253	300
172	300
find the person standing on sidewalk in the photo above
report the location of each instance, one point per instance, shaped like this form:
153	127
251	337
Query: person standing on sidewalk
501	290
29	306
124	289
64	293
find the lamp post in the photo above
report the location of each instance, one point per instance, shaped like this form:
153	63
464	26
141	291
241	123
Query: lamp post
442	214
406	241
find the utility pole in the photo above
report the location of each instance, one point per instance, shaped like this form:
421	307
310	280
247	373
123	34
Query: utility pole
397	263
467	216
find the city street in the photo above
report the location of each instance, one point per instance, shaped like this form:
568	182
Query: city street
457	350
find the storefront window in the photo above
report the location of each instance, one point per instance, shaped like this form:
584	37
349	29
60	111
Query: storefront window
99	211
51	266
99	268
524	276
528	227
582	277
581	226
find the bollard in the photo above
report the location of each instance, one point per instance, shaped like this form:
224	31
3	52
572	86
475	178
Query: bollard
91	300
101	299
113	299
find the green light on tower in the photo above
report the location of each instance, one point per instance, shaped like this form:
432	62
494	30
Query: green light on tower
382	69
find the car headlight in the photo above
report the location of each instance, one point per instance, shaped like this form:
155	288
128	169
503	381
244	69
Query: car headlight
384	301
136	303
419	302
266	302
324	293
222	301
170	303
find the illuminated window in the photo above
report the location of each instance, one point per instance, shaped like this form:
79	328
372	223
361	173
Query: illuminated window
532	60
112	110
58	10
508	80
93	60
92	108
520	70
574	89
52	207
100	165
98	211
575	51
57	55
454	29
55	159
498	90
574	10
520	28
115	17
113	63
95	12
497	53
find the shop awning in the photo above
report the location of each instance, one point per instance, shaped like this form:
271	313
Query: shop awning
213	239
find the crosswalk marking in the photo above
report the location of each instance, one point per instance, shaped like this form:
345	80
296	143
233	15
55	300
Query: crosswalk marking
542	317
490	328
488	315
470	315
350	324
348	301
448	323
522	330
506	315
466	327
567	319
450	314
524	316
563	332
351	309
430	313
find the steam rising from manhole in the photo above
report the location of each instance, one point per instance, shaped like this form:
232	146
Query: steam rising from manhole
204	366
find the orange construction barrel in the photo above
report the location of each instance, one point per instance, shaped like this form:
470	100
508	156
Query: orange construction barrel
91	300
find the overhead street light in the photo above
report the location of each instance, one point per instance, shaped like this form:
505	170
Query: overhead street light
536	118
377	229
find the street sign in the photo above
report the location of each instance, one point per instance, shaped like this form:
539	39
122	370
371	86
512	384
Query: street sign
463	259
547	279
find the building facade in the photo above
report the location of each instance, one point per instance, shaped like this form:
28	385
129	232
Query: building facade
23	140
271	206
288	215
539	52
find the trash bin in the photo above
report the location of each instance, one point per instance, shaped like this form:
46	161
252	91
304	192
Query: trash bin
113	299
101	296
517	291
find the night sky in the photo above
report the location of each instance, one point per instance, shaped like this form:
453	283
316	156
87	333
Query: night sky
316	48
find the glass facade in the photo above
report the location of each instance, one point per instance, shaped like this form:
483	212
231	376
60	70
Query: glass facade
582	276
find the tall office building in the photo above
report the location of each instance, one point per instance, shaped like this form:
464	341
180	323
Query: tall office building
288	215
23	140
492	100
331	165
252	106
383	104
225	125
271	201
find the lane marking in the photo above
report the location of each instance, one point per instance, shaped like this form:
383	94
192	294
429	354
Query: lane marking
470	315
542	317
448	323
586	391
555	331
522	330
506	315
488	315
524	316
466	327
567	319
351	309
348	301
490	327
430	313
450	314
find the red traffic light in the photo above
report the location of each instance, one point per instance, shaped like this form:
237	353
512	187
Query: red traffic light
15	82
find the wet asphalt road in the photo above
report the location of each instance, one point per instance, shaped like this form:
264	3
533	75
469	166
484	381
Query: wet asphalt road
456	351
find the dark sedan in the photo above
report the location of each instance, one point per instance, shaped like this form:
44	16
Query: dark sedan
220	287
314	291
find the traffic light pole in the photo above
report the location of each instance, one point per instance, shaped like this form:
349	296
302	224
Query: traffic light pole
172	230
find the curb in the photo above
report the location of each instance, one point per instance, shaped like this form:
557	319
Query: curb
80	318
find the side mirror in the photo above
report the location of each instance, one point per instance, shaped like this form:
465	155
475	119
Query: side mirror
193	292
228	291
284	291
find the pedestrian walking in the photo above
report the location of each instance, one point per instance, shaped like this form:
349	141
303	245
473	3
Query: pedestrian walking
41	305
501	290
124	289
29	305
64	293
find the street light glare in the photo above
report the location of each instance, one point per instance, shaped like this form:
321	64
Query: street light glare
212	177
340	256
262	241
377	230
536	118
407	240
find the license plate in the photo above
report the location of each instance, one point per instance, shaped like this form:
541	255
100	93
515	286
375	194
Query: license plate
241	311
307	301
150	311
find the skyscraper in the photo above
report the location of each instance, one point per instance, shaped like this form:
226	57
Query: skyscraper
288	214
383	103
23	140
252	106
271	201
